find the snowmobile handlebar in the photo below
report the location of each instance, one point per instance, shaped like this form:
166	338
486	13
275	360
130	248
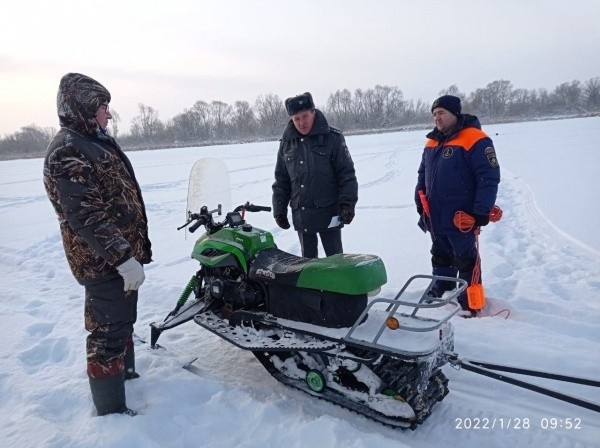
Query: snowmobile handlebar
205	217
252	208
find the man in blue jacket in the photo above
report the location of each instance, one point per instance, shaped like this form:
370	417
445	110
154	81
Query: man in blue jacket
459	171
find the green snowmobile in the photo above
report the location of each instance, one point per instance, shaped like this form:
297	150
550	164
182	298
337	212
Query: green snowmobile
309	321
311	324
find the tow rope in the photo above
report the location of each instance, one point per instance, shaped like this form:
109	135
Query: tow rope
491	370
466	223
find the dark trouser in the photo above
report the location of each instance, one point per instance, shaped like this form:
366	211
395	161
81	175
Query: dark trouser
330	238
110	314
451	255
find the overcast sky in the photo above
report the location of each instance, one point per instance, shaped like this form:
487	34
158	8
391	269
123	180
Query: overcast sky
169	54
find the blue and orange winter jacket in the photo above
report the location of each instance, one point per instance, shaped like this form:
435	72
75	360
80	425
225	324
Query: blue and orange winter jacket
459	171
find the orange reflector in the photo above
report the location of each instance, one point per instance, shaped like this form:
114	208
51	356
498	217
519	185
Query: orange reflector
392	323
476	296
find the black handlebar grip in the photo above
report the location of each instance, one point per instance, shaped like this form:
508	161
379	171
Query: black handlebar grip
201	221
195	226
261	208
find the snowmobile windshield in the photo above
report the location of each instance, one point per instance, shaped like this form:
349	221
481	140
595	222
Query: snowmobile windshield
209	186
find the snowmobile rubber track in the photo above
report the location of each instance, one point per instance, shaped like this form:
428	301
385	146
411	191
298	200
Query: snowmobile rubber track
419	381
402	377
333	397
397	374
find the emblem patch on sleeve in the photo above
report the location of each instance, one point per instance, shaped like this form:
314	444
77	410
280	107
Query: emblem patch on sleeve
491	156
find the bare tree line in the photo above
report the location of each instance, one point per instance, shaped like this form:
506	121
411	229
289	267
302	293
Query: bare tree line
376	109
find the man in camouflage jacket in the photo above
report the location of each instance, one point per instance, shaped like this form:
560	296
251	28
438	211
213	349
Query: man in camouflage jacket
92	187
315	175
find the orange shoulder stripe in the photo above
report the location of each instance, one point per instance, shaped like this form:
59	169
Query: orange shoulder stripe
467	138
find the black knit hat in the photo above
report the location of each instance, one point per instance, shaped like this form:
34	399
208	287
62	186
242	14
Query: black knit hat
299	103
448	102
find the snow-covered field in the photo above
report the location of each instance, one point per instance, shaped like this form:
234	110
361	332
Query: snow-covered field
542	262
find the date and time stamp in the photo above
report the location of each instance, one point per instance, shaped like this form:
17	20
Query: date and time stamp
517	424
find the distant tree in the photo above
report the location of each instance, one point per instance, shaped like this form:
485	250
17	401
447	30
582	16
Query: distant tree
271	114
114	123
146	127
30	140
591	93
359	106
493	100
201	113
453	90
184	127
521	103
544	102
372	108
569	95
243	120
416	112
220	114
339	109
389	106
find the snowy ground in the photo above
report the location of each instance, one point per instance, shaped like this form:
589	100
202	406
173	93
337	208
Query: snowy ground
542	261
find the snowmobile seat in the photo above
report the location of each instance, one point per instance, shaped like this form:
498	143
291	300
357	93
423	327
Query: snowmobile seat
343	273
330	292
276	266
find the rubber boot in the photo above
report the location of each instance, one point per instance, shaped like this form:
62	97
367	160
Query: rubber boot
108	395
130	373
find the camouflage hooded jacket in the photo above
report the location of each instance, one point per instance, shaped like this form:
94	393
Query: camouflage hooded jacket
92	186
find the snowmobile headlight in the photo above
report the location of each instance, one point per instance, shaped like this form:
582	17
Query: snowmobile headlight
392	323
374	292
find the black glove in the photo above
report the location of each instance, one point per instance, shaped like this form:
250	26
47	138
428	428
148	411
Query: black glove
481	220
420	209
347	213
282	221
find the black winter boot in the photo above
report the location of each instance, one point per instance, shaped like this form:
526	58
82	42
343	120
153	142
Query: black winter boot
108	395
130	373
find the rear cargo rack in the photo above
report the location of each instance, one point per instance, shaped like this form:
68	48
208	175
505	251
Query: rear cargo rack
408	322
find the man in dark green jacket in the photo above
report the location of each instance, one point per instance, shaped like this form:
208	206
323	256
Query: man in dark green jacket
315	175
92	187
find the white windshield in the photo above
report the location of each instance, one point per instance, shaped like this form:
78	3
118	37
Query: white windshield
209	186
